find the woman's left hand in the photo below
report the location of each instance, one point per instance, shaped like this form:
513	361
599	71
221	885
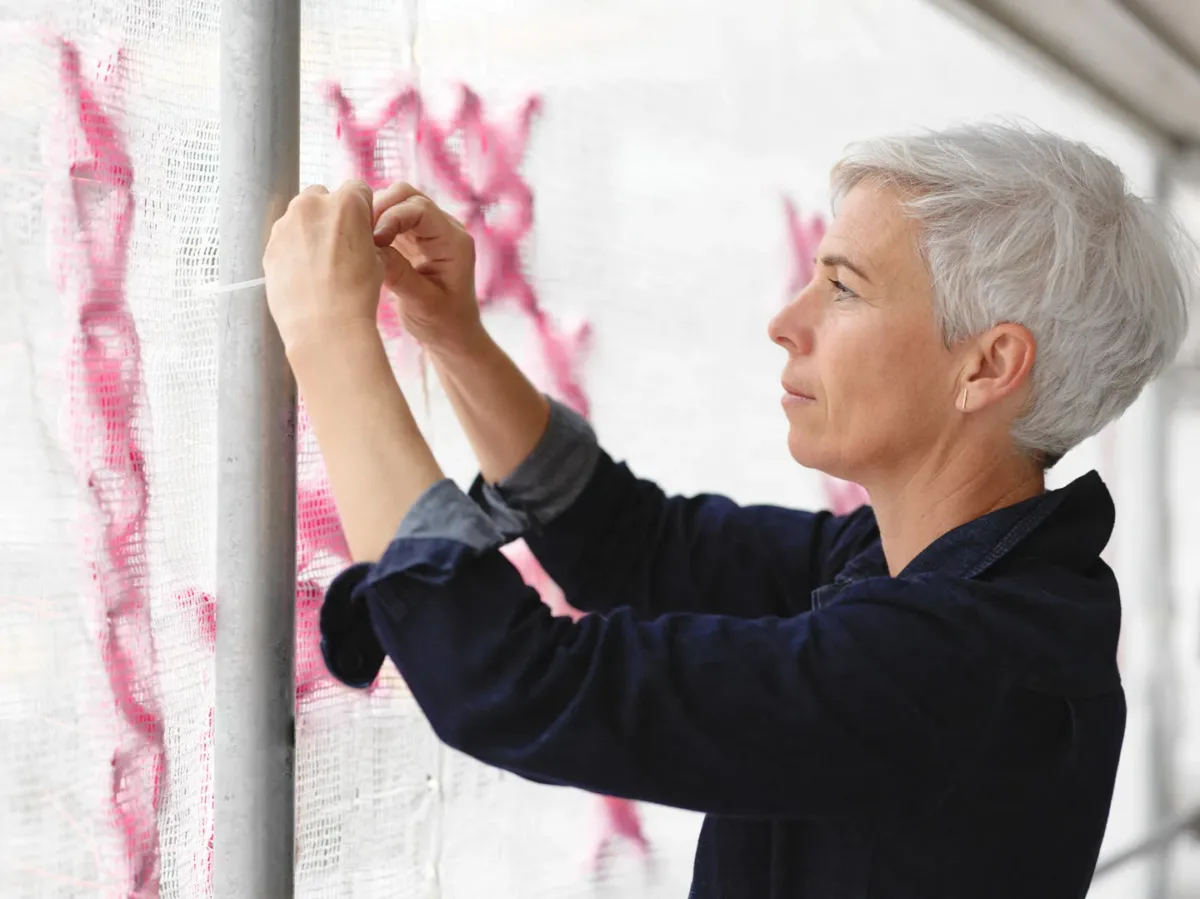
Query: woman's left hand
323	270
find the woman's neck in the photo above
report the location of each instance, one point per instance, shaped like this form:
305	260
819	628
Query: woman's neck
916	508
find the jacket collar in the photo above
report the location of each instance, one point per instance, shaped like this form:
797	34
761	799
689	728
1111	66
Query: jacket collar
1084	509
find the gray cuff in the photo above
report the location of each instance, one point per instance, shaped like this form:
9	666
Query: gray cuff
444	512
548	481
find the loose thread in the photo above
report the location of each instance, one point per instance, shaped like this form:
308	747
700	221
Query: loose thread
213	288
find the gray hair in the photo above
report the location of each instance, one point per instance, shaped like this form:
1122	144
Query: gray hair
1022	226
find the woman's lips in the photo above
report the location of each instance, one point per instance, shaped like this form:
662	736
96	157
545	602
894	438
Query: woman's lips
794	396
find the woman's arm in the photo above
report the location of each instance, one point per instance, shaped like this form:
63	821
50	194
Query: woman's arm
868	705
501	412
624	543
608	538
871	706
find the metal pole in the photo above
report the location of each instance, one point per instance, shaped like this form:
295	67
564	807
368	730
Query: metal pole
1160	607
254	740
1145	569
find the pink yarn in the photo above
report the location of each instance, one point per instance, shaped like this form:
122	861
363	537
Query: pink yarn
475	164
319	533
844	496
804	236
362	141
204	608
621	820
106	389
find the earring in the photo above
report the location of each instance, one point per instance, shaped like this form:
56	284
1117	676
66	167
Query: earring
962	404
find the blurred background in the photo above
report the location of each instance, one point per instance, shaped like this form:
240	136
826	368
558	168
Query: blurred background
662	169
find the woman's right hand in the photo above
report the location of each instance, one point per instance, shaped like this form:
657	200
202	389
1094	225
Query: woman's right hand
429	266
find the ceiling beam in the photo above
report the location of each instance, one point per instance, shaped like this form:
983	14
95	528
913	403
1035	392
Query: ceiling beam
1114	54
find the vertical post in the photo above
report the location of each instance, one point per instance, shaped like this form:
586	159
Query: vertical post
1160	607
1145	569
1149	567
254	735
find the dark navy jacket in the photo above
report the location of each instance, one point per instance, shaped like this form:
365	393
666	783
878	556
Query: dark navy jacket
949	733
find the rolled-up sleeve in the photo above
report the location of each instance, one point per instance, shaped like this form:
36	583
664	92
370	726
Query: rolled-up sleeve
870	706
548	481
449	525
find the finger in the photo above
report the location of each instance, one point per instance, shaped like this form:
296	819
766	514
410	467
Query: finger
401	279
417	216
392	195
359	193
315	190
396	269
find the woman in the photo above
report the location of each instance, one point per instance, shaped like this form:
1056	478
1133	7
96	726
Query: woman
919	699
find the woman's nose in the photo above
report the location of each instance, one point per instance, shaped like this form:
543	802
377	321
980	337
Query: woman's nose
790	329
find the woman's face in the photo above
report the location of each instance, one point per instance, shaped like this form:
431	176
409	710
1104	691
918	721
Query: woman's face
869	383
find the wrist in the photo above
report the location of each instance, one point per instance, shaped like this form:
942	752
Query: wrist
339	343
468	346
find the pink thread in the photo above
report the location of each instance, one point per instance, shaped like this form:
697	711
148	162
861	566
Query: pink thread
204	608
844	496
475	163
106	388
803	238
362	141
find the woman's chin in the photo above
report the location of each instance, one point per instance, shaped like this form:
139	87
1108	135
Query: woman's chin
816	454
806	450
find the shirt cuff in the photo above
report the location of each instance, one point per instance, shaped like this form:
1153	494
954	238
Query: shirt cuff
443	512
547	482
442	527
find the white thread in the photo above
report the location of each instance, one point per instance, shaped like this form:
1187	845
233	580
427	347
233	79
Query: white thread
214	287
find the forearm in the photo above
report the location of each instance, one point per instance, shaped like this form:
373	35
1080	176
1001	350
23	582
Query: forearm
612	703
501	412
378	461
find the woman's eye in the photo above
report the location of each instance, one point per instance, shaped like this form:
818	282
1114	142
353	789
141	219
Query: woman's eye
841	291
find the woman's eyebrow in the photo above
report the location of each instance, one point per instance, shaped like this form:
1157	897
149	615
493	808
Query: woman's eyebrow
836	260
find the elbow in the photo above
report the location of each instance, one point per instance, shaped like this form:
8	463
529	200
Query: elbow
469	734
500	733
452	729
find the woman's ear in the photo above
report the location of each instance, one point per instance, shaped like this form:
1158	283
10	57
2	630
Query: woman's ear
1000	363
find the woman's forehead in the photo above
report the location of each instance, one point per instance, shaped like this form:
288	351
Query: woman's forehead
872	231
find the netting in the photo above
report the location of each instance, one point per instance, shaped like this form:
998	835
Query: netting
644	185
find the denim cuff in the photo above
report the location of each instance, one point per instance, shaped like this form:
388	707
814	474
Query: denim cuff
547	482
444	512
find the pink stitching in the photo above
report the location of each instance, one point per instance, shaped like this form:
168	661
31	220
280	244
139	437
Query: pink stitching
803	239
106	387
483	184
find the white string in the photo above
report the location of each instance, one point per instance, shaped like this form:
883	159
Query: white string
214	287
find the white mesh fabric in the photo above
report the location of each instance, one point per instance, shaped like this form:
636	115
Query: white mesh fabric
60	836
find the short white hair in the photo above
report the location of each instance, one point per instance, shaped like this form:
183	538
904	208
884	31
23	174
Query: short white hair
1019	225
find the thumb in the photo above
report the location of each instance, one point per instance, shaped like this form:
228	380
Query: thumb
405	282
397	271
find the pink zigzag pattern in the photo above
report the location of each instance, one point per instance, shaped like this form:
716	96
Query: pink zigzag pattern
483	184
804	236
106	389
